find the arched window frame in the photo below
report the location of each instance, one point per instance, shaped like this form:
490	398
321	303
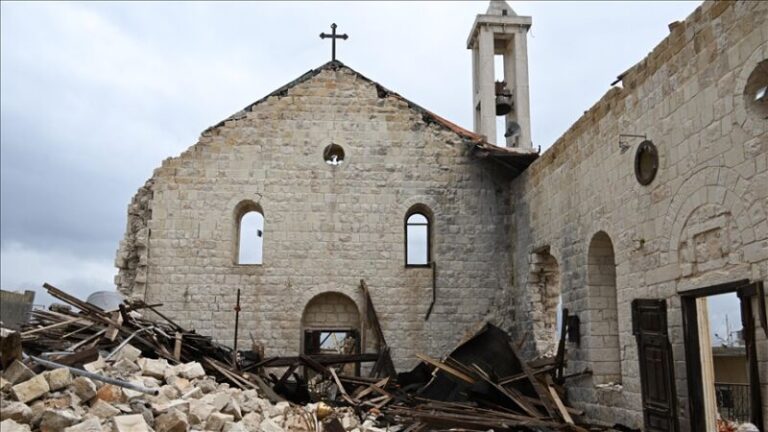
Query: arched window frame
242	209
423	210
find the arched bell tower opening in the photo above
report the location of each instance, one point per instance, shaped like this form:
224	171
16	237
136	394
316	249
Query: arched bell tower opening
500	31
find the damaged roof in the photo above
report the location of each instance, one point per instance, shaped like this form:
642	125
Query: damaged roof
513	158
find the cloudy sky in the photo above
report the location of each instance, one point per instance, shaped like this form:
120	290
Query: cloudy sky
95	95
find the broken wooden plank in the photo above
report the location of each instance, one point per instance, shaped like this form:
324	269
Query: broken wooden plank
54	326
537	385
510	393
385	364
560	405
112	332
447	369
341	388
177	346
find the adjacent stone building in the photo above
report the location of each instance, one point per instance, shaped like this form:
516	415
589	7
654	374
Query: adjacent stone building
654	199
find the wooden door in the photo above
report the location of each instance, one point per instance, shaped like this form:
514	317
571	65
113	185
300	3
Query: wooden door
657	378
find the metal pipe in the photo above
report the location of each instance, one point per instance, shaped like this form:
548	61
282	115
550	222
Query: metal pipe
434	290
75	371
237	325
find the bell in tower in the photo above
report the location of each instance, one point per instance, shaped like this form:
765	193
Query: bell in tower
501	32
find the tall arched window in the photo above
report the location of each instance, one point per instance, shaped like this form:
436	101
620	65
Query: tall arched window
417	237
250	233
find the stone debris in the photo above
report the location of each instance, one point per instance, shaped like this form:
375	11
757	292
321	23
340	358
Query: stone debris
58	378
91	425
203	387
17	372
63	402
31	389
9	425
84	388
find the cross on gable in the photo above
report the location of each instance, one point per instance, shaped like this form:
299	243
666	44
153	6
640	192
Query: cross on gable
333	37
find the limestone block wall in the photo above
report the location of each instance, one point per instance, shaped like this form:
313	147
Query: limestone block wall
325	227
702	220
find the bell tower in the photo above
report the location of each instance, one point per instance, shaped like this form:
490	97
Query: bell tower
500	31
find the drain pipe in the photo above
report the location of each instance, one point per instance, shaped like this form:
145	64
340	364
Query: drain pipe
434	290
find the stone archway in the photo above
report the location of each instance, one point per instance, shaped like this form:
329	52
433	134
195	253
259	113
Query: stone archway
330	324
603	324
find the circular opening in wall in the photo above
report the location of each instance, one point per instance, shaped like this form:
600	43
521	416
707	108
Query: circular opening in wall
646	162
333	154
756	91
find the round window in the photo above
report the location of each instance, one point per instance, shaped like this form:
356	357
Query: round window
333	154
756	91
646	162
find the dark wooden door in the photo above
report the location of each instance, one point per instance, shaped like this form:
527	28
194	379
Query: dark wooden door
657	378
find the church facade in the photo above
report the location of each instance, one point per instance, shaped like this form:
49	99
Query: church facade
654	200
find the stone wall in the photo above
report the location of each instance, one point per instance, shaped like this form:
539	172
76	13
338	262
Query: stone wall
700	222
326	227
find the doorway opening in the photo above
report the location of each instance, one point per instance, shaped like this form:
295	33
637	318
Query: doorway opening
721	355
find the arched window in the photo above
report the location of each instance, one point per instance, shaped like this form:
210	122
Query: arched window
417	237
250	233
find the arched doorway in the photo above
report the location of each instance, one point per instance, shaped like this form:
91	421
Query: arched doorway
330	325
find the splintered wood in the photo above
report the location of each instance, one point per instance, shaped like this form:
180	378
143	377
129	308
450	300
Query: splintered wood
482	384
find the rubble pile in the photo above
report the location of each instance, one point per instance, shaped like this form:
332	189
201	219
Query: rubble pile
78	368
174	398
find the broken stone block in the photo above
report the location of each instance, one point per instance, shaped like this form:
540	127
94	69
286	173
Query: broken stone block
133	394
172	421
235	427
103	410
154	368
252	421
91	425
126	367
95	366
9	425
55	420
110	393
199	411
268	425
140	406
31	389
16	411
128	352
279	409
192	370
233	408
130	423
58	378
5	385
206	385
169	392
84	388
17	372
178	404
217	420
180	384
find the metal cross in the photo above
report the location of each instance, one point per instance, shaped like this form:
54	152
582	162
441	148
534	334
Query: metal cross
333	37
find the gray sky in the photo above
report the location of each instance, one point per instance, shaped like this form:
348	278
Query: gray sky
95	95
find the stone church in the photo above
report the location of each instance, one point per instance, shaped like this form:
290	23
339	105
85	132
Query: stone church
653	201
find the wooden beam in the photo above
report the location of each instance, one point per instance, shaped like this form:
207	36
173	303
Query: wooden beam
447	369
